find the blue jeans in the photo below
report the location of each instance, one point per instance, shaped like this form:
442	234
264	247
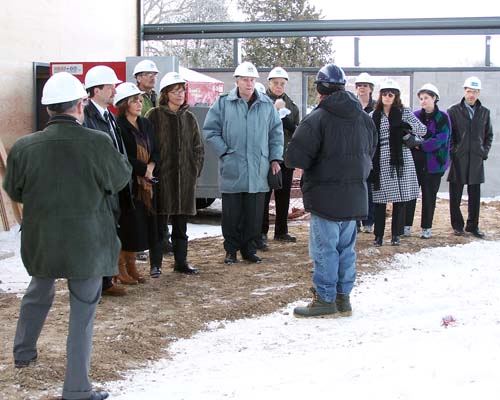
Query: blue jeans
331	247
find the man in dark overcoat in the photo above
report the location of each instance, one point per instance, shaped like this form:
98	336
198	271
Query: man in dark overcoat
470	143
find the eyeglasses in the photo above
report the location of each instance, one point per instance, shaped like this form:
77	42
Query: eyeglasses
178	92
149	74
387	93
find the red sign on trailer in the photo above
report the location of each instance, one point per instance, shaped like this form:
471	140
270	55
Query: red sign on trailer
80	69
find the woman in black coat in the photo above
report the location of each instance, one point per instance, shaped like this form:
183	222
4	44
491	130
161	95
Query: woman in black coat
138	228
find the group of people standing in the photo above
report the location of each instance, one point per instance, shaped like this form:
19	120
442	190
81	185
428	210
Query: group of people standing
360	154
249	130
90	178
161	139
97	189
459	138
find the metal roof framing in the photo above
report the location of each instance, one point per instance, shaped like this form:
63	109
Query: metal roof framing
353	27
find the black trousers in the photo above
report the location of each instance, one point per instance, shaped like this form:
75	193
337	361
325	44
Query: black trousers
474	193
369	220
282	200
397	224
179	237
241	221
430	186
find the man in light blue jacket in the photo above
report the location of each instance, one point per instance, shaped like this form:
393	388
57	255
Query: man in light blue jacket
244	129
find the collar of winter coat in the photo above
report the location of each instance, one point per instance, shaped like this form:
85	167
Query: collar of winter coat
477	104
182	109
342	103
63	118
233	96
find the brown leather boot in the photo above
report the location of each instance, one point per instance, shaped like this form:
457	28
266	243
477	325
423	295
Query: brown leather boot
130	263
114	291
123	275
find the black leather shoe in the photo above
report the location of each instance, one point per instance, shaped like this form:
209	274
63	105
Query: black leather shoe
261	245
395	241
155	272
97	395
25	363
253	258
185	268
230	258
378	241
285	238
458	232
477	233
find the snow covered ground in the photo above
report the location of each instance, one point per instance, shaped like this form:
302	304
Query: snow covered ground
399	343
395	346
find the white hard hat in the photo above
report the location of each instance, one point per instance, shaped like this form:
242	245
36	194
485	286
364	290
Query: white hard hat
171	78
277	72
246	69
100	75
145	66
61	88
364	77
390	84
429	87
125	90
473	82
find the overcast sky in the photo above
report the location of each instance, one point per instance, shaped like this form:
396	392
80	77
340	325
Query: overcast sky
421	51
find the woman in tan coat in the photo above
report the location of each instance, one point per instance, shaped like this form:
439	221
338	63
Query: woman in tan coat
181	161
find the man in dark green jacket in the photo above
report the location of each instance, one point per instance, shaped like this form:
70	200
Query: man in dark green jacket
63	176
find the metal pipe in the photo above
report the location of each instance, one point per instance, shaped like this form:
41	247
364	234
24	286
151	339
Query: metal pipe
374	27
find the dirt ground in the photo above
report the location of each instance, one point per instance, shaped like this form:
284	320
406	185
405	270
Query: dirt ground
134	330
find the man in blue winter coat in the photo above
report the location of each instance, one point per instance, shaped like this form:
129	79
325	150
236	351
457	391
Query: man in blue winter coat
245	130
334	145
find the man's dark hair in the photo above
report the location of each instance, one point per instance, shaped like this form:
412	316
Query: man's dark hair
90	91
61	108
328	88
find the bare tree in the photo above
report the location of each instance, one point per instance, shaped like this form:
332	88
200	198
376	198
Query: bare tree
191	52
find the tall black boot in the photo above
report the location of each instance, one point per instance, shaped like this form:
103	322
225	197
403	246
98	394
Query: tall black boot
181	265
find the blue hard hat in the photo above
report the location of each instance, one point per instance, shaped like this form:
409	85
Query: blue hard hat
331	74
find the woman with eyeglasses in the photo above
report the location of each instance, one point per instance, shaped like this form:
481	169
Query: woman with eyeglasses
181	161
393	176
138	227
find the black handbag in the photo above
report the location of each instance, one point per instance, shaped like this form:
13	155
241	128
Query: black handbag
409	138
274	181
